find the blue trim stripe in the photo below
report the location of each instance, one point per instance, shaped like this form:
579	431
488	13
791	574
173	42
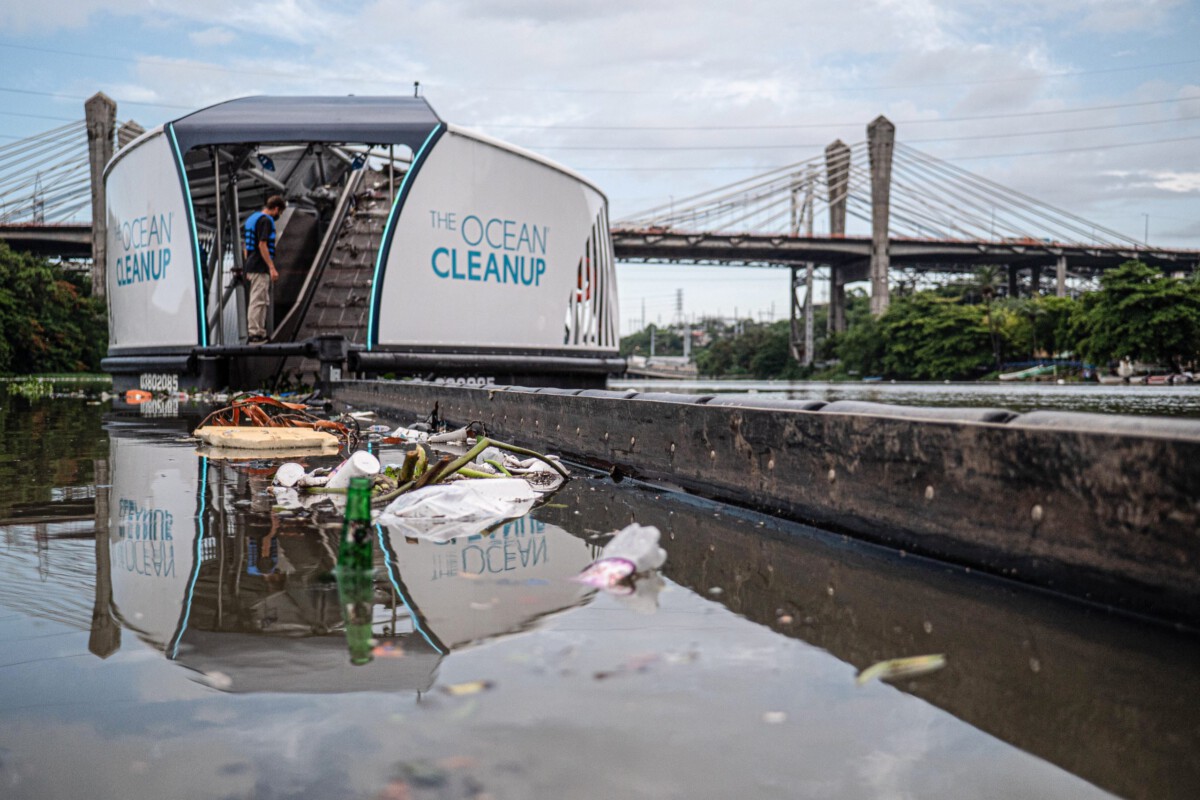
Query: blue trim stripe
187	607
201	317
385	245
391	571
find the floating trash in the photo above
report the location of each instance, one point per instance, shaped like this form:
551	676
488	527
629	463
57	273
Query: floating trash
901	668
470	687
607	573
266	440
633	551
359	465
463	508
253	411
289	474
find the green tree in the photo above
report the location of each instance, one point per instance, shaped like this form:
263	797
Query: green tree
927	337
1043	326
48	320
1140	313
667	342
860	347
988	279
759	351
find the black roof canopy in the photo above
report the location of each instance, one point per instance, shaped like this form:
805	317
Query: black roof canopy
369	120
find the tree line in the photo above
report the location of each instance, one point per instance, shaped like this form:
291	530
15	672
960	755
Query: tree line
49	320
968	331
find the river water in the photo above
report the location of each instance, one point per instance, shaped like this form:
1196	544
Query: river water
165	632
1171	401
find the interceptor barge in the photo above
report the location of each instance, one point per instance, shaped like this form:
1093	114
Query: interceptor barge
409	247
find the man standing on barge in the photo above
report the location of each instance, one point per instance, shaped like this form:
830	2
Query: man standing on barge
259	236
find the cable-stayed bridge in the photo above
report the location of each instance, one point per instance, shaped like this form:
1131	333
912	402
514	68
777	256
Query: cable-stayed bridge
45	192
51	182
928	220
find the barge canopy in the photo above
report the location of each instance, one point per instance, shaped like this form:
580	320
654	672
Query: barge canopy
409	246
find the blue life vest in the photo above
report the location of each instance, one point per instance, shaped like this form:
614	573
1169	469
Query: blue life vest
251	242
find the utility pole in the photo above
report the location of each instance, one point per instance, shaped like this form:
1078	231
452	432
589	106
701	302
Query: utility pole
809	201
38	200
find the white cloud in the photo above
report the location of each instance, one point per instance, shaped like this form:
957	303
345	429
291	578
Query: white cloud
20	18
1115	16
1176	182
212	37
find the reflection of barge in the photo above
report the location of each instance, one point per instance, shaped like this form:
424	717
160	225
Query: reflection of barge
409	246
247	599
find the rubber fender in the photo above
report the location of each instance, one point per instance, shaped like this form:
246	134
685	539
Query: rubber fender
998	415
1163	427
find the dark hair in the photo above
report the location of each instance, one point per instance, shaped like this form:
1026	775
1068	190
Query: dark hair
276	201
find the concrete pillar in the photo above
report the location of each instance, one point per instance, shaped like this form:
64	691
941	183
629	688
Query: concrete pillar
881	138
105	637
1060	286
796	338
837	178
100	112
1012	280
1035	280
128	131
809	202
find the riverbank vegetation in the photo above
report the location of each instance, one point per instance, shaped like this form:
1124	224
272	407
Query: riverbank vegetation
49	322
962	332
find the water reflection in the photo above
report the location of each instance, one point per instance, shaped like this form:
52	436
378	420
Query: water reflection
1109	698
131	543
201	568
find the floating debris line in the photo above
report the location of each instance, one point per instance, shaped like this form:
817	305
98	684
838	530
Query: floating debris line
260	411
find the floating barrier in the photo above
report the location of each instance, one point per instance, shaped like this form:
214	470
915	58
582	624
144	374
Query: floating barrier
1100	507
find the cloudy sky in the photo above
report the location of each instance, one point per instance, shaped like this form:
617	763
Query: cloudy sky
1091	105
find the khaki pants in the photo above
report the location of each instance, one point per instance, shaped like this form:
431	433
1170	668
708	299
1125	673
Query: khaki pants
260	298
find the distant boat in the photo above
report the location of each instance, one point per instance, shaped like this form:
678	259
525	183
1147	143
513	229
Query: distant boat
1170	379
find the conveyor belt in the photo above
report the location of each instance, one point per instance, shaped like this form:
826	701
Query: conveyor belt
338	298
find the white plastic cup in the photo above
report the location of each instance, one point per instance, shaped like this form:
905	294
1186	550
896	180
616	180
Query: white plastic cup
288	474
360	464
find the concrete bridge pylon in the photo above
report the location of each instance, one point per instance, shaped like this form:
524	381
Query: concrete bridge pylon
100	112
837	179
881	140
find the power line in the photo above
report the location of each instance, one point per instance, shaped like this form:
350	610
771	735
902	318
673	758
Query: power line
707	168
655	148
35	116
76	97
1073	149
926	121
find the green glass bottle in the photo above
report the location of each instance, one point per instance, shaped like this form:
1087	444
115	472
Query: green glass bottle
356	591
356	551
356	571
